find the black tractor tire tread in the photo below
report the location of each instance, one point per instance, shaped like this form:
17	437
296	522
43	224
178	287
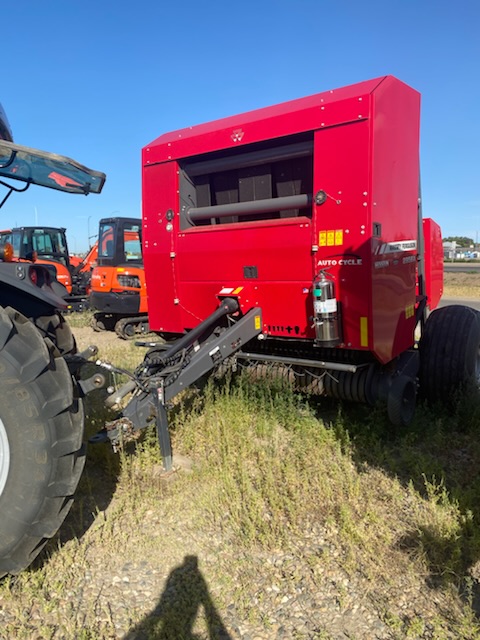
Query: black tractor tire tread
57	329
51	443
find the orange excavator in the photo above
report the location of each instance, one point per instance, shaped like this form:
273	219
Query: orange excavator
118	290
85	264
48	246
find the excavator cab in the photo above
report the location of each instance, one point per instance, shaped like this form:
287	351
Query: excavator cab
118	290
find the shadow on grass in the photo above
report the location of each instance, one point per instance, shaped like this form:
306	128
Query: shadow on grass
439	455
185	596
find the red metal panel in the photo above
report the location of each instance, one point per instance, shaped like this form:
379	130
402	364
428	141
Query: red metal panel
433	255
160	194
341	169
210	258
393	202
330	108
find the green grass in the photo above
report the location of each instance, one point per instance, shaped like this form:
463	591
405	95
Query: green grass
271	468
398	504
269	464
83	319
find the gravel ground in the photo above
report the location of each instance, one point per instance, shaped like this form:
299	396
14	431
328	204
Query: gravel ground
304	593
293	598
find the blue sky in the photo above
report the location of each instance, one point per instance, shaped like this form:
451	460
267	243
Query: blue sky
98	80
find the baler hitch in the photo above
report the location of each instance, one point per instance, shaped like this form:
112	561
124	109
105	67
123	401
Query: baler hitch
168	370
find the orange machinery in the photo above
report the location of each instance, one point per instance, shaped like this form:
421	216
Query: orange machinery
48	246
118	290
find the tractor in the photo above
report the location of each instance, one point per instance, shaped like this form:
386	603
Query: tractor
48	246
42	449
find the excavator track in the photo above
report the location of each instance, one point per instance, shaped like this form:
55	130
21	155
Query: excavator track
128	328
103	322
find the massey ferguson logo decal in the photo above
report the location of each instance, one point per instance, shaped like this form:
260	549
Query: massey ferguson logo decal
342	260
237	135
393	247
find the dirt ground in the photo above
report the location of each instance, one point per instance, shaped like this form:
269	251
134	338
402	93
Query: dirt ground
85	336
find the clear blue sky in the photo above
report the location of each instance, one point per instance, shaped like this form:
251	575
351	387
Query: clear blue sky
97	80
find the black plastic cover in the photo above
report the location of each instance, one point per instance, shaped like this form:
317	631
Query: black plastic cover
48	169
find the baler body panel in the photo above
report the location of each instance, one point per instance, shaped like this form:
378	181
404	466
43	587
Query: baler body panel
270	248
341	223
331	108
394	204
358	146
433	257
160	194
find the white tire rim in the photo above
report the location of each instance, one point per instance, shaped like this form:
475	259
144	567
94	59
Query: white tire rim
4	457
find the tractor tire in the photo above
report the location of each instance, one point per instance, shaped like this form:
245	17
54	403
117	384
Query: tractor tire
449	353
57	329
41	441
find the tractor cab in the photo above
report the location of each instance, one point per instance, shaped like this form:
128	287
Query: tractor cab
120	242
32	243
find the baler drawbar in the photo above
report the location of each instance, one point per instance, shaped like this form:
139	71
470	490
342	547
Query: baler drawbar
169	369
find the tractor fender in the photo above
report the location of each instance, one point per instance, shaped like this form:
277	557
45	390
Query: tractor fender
32	297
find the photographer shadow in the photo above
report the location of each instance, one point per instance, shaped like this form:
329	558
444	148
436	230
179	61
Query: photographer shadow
185	596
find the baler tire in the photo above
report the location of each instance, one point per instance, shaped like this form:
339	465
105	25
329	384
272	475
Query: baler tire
41	441
401	401
449	352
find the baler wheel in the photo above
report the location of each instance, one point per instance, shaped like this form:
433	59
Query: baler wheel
450	352
401	401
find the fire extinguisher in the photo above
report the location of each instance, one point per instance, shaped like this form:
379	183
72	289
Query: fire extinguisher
326	313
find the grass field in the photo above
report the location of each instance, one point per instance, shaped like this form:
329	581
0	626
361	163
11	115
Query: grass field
398	510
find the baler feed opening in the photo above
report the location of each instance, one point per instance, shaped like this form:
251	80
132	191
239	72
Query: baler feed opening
247	184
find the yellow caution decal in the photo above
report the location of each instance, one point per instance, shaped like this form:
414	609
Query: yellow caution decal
330	238
364	331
